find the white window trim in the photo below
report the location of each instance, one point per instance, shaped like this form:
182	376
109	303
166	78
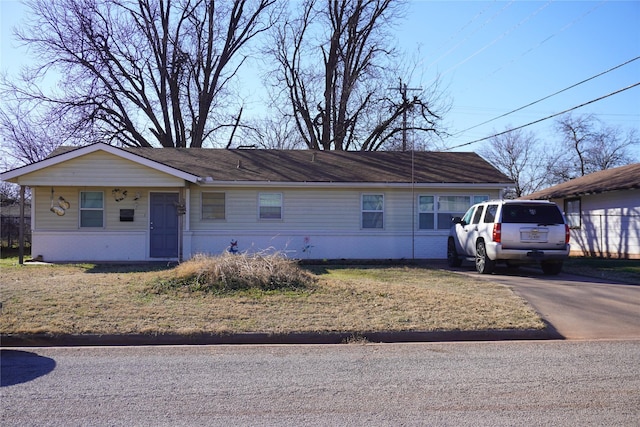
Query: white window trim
202	217
571	215
434	211
473	199
363	211
281	206
102	209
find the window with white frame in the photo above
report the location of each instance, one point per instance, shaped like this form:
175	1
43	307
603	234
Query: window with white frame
372	211
479	199
572	213
91	209
213	205
436	212
450	207
426	212
270	205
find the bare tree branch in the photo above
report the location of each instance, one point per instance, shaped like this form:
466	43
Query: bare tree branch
335	58
144	72
589	146
518	155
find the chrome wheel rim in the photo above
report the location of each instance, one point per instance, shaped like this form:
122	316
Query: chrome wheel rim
480	257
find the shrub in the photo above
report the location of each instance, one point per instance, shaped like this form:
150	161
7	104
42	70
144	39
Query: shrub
229	272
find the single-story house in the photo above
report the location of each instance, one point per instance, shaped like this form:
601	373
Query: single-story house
603	211
104	203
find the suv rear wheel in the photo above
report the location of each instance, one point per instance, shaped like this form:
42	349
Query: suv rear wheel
452	254
484	265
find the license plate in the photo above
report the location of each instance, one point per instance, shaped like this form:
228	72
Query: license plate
532	235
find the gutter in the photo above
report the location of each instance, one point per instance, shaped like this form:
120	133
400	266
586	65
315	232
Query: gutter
210	182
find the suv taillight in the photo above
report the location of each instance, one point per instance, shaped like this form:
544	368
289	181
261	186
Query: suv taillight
497	232
567	234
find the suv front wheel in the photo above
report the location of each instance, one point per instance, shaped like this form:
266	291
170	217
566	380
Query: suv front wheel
484	265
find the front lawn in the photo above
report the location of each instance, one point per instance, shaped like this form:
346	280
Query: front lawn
135	299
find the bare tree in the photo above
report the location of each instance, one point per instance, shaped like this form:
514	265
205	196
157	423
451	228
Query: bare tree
517	155
334	62
588	146
610	148
142	72
272	134
9	194
31	131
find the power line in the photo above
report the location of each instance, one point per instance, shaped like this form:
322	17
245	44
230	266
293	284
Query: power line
549	96
494	41
545	118
569	25
469	36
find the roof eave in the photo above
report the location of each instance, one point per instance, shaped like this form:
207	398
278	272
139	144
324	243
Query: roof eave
14	174
312	184
570	194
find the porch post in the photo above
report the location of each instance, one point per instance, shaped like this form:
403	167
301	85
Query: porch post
21	228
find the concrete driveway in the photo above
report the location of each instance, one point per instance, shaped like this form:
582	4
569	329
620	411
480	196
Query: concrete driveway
577	307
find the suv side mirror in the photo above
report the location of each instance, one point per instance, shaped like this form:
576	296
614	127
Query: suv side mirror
457	220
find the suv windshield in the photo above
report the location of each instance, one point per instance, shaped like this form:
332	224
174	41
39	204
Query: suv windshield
531	214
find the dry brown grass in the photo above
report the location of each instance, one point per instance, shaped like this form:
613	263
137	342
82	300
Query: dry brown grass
80	299
228	273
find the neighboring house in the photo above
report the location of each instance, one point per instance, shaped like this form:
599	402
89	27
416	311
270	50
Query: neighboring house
603	211
103	203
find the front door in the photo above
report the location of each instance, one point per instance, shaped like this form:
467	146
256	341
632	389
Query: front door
163	225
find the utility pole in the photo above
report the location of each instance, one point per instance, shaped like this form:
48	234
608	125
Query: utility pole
405	102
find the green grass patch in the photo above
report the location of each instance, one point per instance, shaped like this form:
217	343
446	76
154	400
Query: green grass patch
626	271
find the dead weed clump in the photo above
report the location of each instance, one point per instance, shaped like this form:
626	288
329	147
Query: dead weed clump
237	272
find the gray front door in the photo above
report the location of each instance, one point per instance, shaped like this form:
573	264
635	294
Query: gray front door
163	225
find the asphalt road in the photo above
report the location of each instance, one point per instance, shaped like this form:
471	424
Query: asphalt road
532	383
577	307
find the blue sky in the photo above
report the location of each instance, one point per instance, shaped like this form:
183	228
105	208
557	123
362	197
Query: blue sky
497	56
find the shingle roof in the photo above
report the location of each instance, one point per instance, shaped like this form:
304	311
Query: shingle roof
621	178
327	166
323	166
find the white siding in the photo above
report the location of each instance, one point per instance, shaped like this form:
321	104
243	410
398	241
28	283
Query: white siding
319	224
90	246
610	225
330	245
44	219
60	238
100	169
